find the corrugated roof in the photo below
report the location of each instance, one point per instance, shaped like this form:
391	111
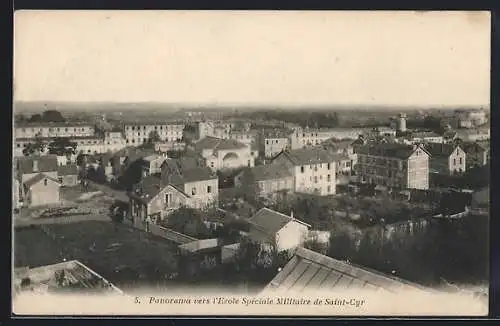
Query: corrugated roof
39	177
270	221
46	163
310	271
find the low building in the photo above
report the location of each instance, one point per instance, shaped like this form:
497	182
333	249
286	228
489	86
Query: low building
67	175
322	272
29	168
307	137
41	190
151	164
476	154
221	154
425	137
271	143
393	165
267	180
196	180
151	201
314	169
271	228
446	158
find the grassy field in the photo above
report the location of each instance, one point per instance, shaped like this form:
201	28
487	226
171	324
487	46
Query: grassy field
123	255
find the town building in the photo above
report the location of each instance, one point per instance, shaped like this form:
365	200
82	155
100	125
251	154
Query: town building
271	143
274	229
393	165
344	147
151	164
52	130
472	135
446	159
114	140
322	272
422	137
221	154
67	175
476	154
41	190
140	133
152	200
470	118
312	137
266	180
314	170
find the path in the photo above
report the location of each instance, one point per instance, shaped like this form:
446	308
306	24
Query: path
117	194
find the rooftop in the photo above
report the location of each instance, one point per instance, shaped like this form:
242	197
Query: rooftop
269	172
400	151
36	179
201	245
70	169
146	190
71	275
46	163
52	124
309	271
218	144
436	149
312	155
270	221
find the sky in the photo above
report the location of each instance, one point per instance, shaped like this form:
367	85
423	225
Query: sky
262	58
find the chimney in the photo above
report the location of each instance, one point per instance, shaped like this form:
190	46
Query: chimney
35	166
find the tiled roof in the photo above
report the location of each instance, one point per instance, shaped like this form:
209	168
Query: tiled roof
311	156
71	169
269	172
189	175
436	149
400	151
68	124
310	271
218	144
423	134
149	188
39	177
270	221
46	163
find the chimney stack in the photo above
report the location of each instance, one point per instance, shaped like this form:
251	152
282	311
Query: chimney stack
35	166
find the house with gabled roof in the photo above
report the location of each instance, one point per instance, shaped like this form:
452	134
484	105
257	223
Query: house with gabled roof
220	154
446	159
199	182
392	165
152	200
314	169
274	229
41	190
318	272
267	180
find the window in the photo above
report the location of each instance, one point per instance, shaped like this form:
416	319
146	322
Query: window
168	199
249	163
267	142
454	161
315	179
209	189
329	189
211	164
328	166
66	129
329	178
18	145
193	191
60	179
460	160
44	182
302	169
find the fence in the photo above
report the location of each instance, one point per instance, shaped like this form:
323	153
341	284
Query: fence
169	234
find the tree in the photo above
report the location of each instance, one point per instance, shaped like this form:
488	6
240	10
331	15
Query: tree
153	137
35	148
52	116
36	118
62	146
341	246
188	221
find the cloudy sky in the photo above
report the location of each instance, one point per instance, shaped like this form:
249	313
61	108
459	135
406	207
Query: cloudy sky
281	58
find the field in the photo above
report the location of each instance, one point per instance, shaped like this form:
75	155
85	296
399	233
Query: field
124	256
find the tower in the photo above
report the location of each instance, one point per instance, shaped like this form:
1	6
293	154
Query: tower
402	122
